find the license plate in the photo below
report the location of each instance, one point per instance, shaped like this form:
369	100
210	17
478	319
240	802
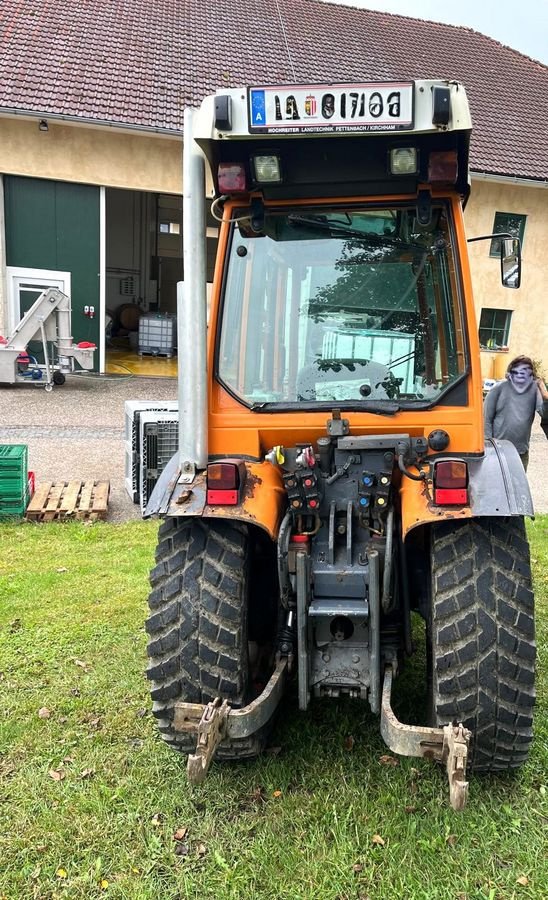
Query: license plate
331	108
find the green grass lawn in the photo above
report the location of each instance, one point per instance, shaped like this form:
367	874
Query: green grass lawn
90	798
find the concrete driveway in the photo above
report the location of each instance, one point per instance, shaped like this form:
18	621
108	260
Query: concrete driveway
76	432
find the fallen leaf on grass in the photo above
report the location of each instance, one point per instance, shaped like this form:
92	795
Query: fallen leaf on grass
349	742
276	793
451	840
57	774
523	880
104	884
156	819
44	712
87	773
61	873
411	809
62	569
201	849
83	665
357	868
93	720
180	834
387	760
377	839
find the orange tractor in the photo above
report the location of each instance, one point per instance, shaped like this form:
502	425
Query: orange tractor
332	476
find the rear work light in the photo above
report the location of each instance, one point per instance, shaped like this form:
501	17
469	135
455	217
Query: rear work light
231	178
450	483
443	167
225	480
404	161
267	169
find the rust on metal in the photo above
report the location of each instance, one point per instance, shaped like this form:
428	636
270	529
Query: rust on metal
448	744
214	722
211	731
455	744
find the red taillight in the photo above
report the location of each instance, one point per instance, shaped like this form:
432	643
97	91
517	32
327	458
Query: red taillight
450	483
224	483
231	178
443	167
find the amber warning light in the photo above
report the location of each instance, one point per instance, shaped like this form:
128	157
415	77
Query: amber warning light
225	481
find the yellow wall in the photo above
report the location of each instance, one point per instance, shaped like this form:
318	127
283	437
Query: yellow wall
91	155
529	325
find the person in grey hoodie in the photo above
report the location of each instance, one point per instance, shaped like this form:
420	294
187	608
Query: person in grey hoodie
510	406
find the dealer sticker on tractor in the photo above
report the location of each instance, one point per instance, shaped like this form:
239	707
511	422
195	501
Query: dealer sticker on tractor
331	108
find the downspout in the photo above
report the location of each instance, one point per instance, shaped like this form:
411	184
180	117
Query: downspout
192	312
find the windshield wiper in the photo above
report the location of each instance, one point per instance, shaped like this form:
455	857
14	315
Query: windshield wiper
381	408
340	229
386	408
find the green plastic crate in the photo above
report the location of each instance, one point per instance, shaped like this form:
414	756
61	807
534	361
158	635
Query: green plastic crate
13	470
11	506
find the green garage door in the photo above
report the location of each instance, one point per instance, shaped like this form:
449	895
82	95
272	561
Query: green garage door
53	225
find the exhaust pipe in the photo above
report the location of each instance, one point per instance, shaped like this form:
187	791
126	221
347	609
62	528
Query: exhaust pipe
192	312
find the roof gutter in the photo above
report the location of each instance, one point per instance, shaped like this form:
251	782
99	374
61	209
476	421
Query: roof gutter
8	112
509	179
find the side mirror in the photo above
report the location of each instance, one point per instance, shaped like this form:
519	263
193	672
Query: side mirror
510	262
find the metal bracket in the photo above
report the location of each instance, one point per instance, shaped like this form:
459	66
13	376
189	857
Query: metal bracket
211	731
214	722
455	747
448	744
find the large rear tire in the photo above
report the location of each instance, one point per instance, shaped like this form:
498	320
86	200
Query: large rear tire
482	638
198	625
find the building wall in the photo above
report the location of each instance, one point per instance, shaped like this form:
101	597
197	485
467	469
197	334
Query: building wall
92	155
529	325
86	155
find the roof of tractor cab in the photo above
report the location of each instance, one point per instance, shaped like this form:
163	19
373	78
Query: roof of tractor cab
338	137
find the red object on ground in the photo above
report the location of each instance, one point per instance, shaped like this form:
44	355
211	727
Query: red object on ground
86	345
32	483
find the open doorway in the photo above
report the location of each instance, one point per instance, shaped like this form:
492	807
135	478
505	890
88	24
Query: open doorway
138	293
144	262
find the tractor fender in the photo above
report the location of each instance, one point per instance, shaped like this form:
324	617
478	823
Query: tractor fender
497	486
262	503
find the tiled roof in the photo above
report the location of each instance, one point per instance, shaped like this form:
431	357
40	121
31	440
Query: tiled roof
138	63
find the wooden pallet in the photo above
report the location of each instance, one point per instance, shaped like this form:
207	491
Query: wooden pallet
61	500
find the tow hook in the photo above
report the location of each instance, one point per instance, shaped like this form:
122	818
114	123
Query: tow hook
211	731
448	744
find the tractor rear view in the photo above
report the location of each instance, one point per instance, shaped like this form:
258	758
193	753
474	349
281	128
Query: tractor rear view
332	476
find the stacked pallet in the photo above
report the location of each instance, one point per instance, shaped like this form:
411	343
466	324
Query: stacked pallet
15	486
62	500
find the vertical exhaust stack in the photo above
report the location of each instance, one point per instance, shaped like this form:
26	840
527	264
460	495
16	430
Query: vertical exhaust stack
192	312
